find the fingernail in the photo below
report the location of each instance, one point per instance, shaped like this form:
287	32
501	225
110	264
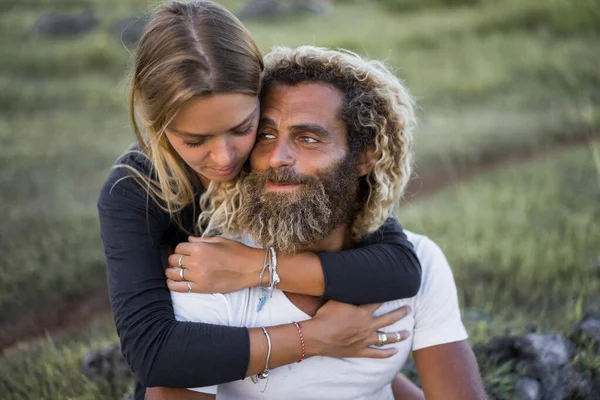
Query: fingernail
407	309
404	334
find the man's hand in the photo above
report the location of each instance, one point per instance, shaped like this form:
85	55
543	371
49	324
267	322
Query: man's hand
449	372
214	265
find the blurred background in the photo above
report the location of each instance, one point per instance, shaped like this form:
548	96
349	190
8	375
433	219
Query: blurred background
507	171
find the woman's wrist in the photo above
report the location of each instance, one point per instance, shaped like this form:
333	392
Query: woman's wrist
314	339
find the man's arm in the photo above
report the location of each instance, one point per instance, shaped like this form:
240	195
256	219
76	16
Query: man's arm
449	372
165	393
404	389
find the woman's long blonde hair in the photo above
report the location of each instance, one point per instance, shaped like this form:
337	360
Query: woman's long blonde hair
188	49
379	113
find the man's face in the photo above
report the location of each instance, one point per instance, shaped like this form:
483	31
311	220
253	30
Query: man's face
303	182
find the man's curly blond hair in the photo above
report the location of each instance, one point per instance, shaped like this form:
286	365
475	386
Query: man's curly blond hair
379	114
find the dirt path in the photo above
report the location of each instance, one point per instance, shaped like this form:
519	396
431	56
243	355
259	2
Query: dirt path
80	311
61	318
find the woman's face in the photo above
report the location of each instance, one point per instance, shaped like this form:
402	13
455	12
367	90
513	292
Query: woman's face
214	134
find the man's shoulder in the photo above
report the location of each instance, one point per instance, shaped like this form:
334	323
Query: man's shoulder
436	272
427	250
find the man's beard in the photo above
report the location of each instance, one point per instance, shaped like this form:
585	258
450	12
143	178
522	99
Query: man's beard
304	216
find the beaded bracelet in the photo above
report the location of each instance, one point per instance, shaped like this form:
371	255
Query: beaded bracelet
301	341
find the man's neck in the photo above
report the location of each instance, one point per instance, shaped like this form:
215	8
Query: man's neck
339	239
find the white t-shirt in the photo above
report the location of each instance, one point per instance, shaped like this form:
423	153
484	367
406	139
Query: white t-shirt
434	319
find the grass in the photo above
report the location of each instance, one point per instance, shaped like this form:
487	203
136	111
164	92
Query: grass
517	235
494	79
524	232
51	368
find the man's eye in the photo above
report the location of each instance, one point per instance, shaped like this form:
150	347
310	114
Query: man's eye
265	136
308	140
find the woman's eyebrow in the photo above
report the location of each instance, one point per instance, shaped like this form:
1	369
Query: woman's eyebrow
192	135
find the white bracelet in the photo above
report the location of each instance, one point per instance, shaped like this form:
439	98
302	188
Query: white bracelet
274	276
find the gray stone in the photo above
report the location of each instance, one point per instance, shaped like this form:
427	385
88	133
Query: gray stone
551	350
129	29
547	358
106	364
587	331
66	25
260	9
527	389
500	349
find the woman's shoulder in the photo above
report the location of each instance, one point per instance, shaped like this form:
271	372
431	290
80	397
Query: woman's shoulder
124	181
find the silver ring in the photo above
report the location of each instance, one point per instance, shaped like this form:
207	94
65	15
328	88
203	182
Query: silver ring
398	337
180	260
189	287
181	274
382	336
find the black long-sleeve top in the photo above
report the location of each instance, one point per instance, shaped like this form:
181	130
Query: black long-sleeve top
164	352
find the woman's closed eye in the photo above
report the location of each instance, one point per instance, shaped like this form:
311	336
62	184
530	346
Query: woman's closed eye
244	131
195	143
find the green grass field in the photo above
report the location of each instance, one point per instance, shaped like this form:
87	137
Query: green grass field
496	80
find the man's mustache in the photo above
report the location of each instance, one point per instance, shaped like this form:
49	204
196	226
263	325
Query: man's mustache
284	176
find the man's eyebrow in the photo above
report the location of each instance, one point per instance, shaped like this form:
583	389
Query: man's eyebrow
314	128
194	135
266	121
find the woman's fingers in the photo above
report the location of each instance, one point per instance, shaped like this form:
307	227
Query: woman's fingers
391	317
370	352
182	286
178	260
176	274
389	337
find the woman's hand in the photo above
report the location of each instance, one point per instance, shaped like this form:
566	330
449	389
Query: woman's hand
214	265
342	330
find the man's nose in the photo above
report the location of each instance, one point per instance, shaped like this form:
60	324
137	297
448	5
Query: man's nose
223	153
282	156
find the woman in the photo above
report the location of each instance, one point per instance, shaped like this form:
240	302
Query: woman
195	87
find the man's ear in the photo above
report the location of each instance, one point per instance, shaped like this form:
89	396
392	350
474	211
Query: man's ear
366	162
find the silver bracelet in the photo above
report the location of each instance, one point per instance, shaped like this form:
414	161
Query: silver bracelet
265	373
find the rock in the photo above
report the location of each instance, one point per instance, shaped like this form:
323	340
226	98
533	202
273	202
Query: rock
257	9
547	358
499	349
260	9
310	6
527	389
551	350
106	364
66	25
587	331
129	29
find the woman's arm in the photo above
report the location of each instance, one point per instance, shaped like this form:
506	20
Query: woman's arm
159	349
166	352
383	267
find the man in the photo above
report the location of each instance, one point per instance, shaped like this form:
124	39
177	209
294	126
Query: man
331	161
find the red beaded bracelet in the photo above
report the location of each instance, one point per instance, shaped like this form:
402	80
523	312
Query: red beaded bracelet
301	341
